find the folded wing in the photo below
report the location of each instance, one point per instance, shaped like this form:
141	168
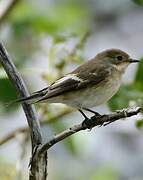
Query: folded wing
80	78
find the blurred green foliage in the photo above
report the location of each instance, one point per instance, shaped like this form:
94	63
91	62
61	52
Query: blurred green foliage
54	20
138	82
139	2
105	174
7	171
130	93
126	95
139	124
7	94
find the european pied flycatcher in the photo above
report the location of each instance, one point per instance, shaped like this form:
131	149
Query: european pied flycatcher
91	84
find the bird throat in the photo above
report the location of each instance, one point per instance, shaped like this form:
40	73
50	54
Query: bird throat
121	67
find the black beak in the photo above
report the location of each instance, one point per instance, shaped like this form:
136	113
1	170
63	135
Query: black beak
133	61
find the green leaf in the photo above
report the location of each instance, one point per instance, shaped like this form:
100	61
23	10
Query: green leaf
126	94
120	99
139	2
7	94
139	76
139	124
61	64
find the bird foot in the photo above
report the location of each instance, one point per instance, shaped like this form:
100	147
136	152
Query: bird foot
89	122
86	123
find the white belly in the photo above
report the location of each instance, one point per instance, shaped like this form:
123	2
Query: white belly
98	96
92	97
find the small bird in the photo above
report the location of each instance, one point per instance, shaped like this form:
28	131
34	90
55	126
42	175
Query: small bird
91	84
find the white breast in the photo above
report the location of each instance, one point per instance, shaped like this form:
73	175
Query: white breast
102	94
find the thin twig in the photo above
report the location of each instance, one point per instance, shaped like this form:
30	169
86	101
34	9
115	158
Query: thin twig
12	134
25	129
92	122
80	44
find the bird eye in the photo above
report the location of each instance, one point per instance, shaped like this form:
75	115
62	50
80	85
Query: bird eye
119	58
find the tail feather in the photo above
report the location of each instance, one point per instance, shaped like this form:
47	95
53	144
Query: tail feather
30	99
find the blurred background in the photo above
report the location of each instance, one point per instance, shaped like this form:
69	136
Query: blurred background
47	39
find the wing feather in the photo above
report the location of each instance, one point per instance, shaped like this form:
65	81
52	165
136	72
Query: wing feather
86	75
74	82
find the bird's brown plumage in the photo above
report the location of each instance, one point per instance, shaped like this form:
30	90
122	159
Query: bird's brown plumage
94	73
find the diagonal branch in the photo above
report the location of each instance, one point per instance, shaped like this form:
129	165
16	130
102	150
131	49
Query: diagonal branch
39	164
13	134
21	89
24	129
89	124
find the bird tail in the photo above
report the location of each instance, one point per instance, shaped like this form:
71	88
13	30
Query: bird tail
35	97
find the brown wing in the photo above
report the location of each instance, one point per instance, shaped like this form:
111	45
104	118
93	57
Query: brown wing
77	80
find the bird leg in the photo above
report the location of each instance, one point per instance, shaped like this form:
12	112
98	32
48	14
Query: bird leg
84	115
86	122
94	112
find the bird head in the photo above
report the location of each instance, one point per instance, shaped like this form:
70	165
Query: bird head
116	58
